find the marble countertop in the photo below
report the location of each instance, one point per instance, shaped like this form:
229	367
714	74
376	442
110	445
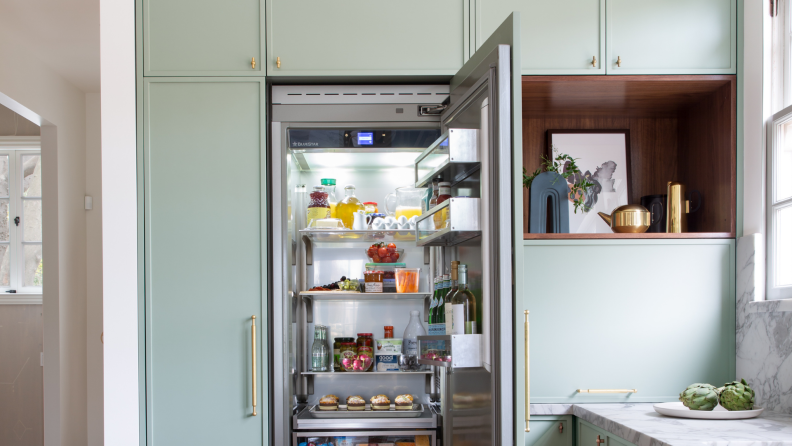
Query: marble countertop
641	425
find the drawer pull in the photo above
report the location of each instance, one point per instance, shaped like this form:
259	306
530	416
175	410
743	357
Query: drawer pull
560	428
253	344
618	61
277	62
599	440
607	390
253	63
594	61
527	377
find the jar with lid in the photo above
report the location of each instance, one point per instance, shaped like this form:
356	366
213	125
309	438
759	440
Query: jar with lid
373	278
318	206
389	332
371	207
337	350
365	345
329	185
441	218
386	275
347	350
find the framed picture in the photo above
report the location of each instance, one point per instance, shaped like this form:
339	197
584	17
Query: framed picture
604	157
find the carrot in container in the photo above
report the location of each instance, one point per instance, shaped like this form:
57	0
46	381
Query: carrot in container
407	280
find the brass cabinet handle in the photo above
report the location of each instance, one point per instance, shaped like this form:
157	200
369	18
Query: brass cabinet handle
527	378
253	343
594	61
560	428
253	63
618	61
277	62
607	390
599	440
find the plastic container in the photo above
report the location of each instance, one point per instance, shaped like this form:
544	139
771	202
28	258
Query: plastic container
388	273
386	355
407	280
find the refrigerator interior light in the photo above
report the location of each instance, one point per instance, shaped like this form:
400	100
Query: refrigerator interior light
358	160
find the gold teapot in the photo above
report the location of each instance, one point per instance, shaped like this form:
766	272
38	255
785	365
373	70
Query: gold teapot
630	218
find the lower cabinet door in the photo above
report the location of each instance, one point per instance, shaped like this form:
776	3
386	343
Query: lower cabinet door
590	435
550	431
204	262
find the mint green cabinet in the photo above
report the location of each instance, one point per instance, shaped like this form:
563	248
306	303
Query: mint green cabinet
590	435
361	37
672	36
629	307
205	260
557	37
202	37
549	430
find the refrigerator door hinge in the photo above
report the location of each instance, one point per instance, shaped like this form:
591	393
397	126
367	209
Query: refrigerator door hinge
433	110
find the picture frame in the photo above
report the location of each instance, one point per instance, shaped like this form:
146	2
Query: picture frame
603	156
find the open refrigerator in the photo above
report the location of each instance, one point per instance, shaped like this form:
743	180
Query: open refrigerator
379	138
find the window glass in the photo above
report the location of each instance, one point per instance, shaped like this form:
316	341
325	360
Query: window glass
4	176
32	220
31	176
783	251
4	220
33	266
783	162
5	263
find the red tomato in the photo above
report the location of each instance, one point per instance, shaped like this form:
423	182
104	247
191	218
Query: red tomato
382	252
395	256
375	258
386	260
372	252
392	245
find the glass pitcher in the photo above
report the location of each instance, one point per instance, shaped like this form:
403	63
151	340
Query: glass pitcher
406	201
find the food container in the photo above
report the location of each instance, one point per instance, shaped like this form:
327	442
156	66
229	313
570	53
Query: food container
361	363
347	351
365	348
388	275
337	351
373	279
407	280
371	207
399	254
386	355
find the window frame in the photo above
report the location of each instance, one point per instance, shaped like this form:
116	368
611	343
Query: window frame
16	147
775	292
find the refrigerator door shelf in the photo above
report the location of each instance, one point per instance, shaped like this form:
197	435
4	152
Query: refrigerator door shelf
454	156
450	351
460	221
320	236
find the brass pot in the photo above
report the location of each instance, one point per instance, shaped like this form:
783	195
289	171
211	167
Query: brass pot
630	218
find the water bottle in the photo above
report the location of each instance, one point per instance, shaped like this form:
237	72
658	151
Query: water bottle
319	351
409	358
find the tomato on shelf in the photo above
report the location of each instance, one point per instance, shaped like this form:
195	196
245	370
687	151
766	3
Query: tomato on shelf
384	253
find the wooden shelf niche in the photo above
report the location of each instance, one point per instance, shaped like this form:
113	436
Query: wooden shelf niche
682	128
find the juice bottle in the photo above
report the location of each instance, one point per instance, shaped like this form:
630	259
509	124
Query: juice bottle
348	206
441	218
318	207
329	187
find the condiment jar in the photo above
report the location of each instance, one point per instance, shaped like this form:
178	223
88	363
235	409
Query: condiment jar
371	207
337	351
318	205
373	278
365	345
348	350
388	332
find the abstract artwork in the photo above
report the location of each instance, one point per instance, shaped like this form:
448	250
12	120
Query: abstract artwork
603	157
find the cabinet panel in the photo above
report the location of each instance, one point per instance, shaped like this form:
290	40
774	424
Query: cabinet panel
204	261
672	36
545	431
627	306
202	37
359	37
590	435
557	37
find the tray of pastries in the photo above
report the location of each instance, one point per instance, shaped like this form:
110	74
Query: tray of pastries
378	406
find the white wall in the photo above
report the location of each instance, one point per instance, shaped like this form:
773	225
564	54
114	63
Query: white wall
29	87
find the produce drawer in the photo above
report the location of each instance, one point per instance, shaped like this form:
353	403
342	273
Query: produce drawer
354	438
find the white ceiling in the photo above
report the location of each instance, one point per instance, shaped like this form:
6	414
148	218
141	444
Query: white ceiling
64	34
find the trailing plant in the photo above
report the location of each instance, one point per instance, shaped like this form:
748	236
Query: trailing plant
565	166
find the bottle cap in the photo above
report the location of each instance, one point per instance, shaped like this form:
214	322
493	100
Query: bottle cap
328	181
318	188
370	202
445	184
389	327
415	313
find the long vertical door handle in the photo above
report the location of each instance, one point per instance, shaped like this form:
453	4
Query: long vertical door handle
253	343
527	377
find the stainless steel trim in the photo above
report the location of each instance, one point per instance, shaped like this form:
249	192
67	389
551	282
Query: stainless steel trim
359	94
464	223
431	434
304	420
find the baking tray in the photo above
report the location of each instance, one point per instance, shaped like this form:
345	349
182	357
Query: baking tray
342	412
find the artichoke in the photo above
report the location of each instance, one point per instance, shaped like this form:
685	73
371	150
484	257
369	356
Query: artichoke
736	396
699	397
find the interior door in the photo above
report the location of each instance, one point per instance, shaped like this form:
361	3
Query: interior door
486	94
205	261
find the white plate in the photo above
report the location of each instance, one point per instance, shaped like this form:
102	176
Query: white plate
719	413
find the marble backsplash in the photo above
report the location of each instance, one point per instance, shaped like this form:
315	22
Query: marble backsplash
764	331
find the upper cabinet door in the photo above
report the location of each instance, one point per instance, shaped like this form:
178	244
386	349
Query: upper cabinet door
672	36
557	37
203	38
361	37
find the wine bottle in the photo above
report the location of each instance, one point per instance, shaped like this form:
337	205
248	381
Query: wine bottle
432	306
463	306
447	310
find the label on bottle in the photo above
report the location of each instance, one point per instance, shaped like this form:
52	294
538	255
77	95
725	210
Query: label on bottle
458	322
449	317
471	328
410	347
337	357
437	329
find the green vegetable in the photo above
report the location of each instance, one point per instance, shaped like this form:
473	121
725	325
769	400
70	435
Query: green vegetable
737	396
699	397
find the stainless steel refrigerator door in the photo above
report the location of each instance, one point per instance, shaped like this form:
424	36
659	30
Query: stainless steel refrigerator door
485	94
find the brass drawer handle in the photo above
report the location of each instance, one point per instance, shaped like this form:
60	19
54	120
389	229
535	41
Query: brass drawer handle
600	440
527	378
607	390
253	63
560	428
277	62
253	339
618	61
594	61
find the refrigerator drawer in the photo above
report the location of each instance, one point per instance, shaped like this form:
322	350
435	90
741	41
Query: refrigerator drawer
454	221
305	420
353	438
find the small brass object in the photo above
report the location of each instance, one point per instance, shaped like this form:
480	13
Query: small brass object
253	343
618	61
630	218
600	440
607	390
277	62
594	61
678	208
253	63
560	428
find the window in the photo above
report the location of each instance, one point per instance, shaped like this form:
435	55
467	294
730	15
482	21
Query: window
779	206
20	222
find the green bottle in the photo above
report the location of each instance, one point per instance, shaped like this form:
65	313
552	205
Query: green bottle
433	305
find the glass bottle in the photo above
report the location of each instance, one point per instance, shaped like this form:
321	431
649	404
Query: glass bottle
463	304
408	362
441	218
319	351
453	288
348	206
435	193
318	206
329	187
433	305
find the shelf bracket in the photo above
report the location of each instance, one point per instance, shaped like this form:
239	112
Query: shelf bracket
426	255
308	309
427	304
308	250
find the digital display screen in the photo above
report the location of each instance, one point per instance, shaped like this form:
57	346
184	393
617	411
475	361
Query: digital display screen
365	139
